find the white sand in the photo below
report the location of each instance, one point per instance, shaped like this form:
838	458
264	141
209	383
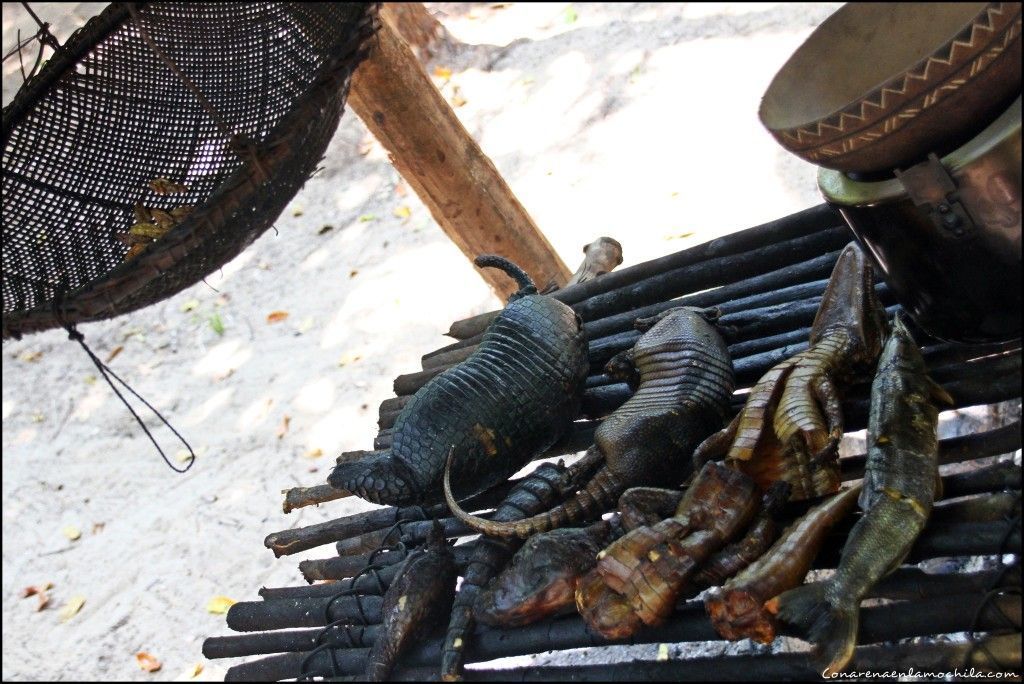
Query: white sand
636	121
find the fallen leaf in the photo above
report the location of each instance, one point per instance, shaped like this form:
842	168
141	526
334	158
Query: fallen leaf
443	73
348	358
44	600
306	325
71	608
149	230
134	251
401	190
217	324
315	453
183	456
162	219
276	316
223	299
297	211
263	265
31	356
219	605
71	532
190	672
679	236
283	429
147	662
36	589
181	213
98	527
353	273
569	15
38	417
366	218
90	379
402	212
326	229
165	186
114	352
365	147
457	99
662	652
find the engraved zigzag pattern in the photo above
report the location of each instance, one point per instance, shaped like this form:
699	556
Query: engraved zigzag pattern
935	67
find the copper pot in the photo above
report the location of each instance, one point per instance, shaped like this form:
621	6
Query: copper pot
946	234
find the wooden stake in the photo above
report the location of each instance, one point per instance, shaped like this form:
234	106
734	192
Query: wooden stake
435	154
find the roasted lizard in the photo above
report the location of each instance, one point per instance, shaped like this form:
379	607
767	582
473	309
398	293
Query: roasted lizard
537	492
649	567
542	578
737	609
791	425
514	397
900	483
684	378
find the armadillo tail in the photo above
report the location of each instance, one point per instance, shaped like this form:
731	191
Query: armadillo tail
378	478
600	494
833	627
526	285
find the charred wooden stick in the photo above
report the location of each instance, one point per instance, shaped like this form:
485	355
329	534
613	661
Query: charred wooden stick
700	276
904	584
298	497
971	447
938	615
805	272
802	223
255	616
922	657
998	476
412	533
287	542
292	641
347	566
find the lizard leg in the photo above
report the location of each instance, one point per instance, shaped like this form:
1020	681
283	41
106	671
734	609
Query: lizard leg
828	397
717	445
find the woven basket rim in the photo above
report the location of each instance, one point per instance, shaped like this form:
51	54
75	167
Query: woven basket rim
98	298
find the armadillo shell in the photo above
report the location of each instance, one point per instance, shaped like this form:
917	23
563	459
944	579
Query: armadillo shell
514	397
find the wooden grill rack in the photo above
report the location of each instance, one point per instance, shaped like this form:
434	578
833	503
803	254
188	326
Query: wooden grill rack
768	282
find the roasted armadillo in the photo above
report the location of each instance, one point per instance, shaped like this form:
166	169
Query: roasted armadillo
685	379
514	397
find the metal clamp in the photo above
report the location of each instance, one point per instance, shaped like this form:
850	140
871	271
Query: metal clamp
930	187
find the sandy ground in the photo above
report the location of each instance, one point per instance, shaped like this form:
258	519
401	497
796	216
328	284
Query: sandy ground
636	121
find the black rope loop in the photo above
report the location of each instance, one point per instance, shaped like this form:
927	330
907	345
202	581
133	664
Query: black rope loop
371	569
107	373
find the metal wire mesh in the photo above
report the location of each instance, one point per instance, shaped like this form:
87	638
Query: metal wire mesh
107	114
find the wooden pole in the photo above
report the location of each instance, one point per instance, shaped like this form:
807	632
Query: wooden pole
435	154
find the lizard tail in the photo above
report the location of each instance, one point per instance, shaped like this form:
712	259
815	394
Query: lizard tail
599	495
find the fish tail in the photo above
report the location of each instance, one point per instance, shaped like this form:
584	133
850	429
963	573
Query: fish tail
526	285
831	626
377	477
